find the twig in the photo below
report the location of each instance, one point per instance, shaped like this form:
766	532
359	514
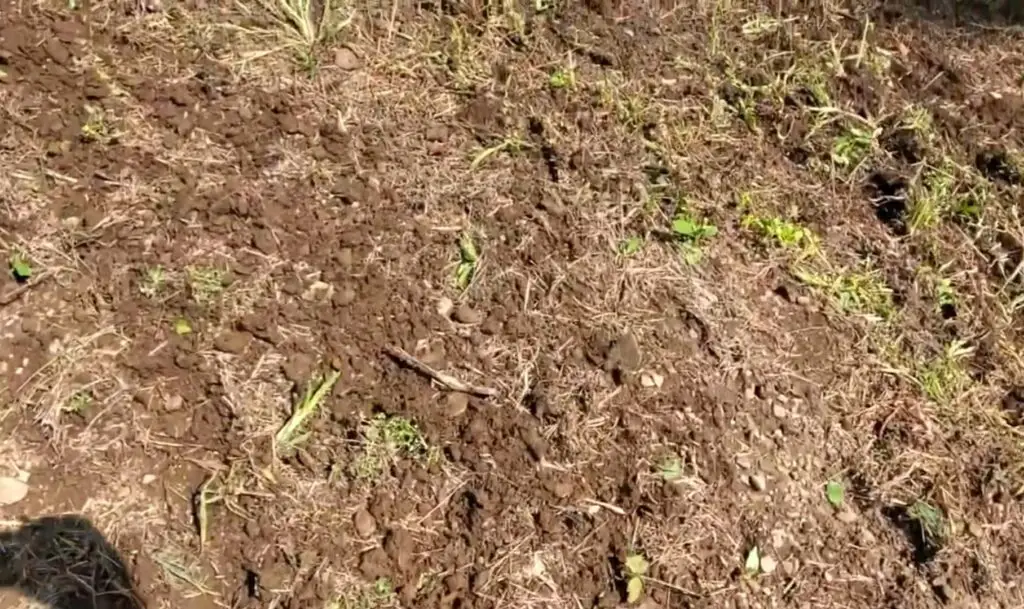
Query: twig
17	293
448	381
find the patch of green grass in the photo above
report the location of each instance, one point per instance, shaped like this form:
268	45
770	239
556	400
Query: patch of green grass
934	529
304	27
292	432
469	259
384	439
782	232
943	378
691	233
861	292
154	279
79	402
562	78
853	146
205	283
931	201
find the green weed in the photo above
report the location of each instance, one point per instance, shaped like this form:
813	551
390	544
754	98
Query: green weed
782	232
469	259
853	146
512	144
562	78
154	279
634	570
932	522
292	432
95	128
944	378
631	246
303	27
20	267
386	438
861	292
932	201
691	233
205	283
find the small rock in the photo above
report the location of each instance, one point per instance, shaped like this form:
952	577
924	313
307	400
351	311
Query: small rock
364	522
174	403
232	342
12	490
779	411
846	516
757	482
263	240
148	479
455	404
466	314
346	59
436	133
652	379
445	306
768	565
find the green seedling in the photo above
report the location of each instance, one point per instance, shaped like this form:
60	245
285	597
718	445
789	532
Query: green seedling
634	570
562	78
691	233
469	258
752	564
153	281
835	492
782	232
292	434
95	127
79	402
205	283
859	292
852	147
671	469
21	268
386	438
931	520
511	144
943	378
931	202
631	245
182	327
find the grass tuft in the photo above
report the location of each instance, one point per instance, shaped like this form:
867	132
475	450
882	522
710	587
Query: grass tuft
385	439
292	434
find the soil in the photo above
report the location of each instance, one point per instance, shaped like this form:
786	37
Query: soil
303	223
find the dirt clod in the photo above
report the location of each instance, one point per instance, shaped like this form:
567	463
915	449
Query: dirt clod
465	314
455	404
365	524
232	342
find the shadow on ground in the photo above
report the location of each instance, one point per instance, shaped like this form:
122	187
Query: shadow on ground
64	562
963	12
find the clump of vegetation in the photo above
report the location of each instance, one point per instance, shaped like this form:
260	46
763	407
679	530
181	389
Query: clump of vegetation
469	258
386	438
862	292
21	268
154	279
206	283
944	378
634	570
784	233
853	146
303	27
691	233
562	78
293	433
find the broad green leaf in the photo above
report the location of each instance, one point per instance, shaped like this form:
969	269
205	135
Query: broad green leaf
835	492
671	469
753	562
20	268
634	589
636	564
182	327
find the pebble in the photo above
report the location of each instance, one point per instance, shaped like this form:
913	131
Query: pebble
148	479
768	565
758	482
12	490
455	404
346	59
465	314
364	523
779	411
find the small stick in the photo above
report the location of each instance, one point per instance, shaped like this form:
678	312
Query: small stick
448	381
17	293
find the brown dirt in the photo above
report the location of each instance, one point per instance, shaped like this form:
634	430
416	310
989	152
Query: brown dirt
159	173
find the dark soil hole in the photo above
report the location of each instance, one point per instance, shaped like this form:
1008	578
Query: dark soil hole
923	545
904	145
889	195
996	164
1013	406
948	311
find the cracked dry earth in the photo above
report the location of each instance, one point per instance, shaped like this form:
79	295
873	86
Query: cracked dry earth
213	227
